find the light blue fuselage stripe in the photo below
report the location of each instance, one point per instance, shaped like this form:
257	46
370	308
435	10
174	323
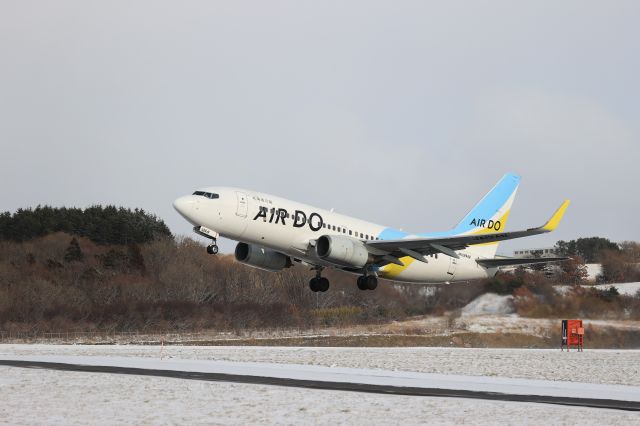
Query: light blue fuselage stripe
485	209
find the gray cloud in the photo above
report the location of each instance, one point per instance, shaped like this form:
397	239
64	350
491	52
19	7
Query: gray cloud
402	113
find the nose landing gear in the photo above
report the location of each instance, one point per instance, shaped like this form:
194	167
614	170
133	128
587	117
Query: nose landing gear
212	248
208	233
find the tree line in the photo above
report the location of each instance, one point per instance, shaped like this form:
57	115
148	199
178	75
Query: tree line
102	225
620	262
62	282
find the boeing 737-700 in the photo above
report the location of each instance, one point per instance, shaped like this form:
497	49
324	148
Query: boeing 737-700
274	233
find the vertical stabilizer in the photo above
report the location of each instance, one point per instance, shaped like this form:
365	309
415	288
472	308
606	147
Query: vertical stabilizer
490	215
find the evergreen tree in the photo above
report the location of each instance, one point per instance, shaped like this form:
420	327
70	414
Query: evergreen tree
589	249
74	252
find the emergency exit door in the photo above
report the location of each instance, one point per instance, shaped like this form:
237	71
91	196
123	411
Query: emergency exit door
452	266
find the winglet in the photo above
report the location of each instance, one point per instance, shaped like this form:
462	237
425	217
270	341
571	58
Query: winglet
556	218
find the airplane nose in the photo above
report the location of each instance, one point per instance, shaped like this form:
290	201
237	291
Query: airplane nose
183	204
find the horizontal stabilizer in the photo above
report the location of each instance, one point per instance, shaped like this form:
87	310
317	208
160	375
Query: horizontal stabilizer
450	244
496	263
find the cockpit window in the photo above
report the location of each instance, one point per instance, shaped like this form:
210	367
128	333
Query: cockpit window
210	195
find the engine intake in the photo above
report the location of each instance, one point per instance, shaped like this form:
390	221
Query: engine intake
343	251
261	258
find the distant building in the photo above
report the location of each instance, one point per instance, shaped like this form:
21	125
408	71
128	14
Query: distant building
544	252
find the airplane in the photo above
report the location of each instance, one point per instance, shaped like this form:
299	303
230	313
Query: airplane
274	233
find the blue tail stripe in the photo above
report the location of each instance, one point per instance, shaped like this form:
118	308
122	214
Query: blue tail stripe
485	209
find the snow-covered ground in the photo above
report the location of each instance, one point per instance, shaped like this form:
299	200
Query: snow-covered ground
34	396
619	367
626	289
356	375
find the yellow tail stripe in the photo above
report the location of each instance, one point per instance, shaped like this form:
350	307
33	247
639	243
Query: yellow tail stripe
392	270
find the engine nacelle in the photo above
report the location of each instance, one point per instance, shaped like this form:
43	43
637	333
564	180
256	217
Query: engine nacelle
343	251
261	258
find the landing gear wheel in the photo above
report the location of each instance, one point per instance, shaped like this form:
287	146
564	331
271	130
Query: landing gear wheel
362	285
319	284
323	284
371	281
313	285
212	249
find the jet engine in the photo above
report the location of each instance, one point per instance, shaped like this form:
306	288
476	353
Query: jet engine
343	251
261	258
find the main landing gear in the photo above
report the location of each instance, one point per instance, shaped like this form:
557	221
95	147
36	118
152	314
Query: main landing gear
367	282
319	283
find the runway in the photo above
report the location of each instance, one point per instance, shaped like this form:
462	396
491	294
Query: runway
614	404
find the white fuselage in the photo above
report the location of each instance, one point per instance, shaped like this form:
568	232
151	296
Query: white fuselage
292	228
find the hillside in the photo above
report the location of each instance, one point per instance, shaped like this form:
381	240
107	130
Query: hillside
62	282
114	269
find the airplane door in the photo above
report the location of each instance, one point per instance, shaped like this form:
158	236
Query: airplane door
452	266
242	204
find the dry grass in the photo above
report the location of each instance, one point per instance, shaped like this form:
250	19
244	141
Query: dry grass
409	334
476	340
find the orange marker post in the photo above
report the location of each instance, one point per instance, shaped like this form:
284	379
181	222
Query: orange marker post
572	335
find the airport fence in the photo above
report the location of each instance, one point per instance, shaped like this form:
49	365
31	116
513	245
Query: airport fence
142	337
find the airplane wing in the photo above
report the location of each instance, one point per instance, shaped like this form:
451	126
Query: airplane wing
419	247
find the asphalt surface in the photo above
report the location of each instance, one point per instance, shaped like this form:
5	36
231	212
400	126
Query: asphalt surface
315	384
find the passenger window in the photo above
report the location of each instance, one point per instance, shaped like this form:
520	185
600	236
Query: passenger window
339	229
333	227
361	236
350	232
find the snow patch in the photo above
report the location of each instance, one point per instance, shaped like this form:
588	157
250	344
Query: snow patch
625	289
490	304
593	270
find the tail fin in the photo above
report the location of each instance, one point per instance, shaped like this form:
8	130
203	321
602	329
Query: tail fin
490	214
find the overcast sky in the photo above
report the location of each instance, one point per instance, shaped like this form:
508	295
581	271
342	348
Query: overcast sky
399	112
